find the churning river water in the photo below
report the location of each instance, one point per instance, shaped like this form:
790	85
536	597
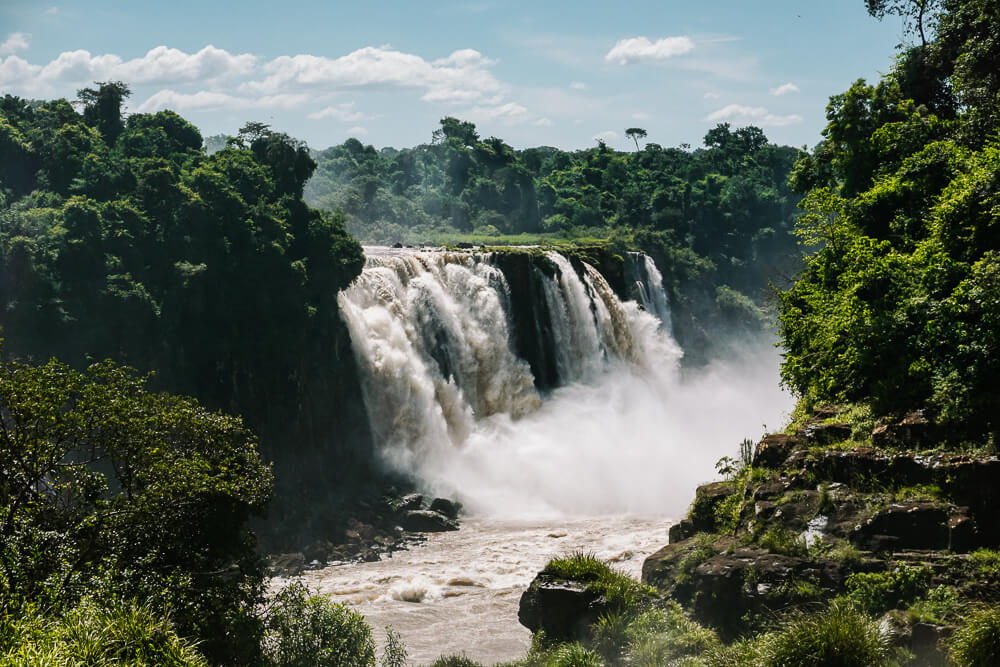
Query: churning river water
459	592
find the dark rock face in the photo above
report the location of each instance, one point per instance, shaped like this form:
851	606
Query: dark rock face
426	521
824	433
772	451
562	609
448	508
917	525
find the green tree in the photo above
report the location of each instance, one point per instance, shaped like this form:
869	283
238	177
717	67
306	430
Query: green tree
635	134
108	486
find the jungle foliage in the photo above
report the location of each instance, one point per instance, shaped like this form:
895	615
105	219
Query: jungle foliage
899	307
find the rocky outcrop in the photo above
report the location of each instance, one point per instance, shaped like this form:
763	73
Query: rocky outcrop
562	609
790	530
426	521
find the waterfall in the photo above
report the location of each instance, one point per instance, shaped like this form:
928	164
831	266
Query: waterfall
522	384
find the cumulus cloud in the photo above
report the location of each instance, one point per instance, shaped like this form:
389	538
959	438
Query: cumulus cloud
641	49
161	65
463	77
345	112
15	42
509	112
738	114
206	100
784	89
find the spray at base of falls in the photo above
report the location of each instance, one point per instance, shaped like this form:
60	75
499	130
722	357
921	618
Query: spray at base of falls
451	401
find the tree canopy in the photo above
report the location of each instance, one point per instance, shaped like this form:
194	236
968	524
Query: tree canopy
898	307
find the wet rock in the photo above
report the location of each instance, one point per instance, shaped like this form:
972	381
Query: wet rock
319	550
562	609
426	521
449	508
287	565
411	501
914	429
822	433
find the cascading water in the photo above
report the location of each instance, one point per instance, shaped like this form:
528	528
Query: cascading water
551	408
440	338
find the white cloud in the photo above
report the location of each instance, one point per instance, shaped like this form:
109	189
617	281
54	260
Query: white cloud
345	112
784	89
543	122
640	115
15	42
509	113
461	78
738	114
207	100
607	136
160	65
578	85
52	11
640	49
712	95
357	131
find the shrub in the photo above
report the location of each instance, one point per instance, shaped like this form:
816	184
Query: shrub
306	630
839	635
778	540
455	661
96	634
394	654
986	562
574	655
878	592
940	605
976	642
665	634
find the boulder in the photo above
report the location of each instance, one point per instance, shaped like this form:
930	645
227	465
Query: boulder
905	525
823	433
449	508
562	609
426	521
772	451
411	501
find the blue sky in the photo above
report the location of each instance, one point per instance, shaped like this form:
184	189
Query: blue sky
385	71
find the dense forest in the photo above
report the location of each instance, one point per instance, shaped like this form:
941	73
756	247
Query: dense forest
126	513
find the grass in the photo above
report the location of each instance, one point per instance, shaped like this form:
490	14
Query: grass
976	641
985	563
619	590
878	592
96	635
